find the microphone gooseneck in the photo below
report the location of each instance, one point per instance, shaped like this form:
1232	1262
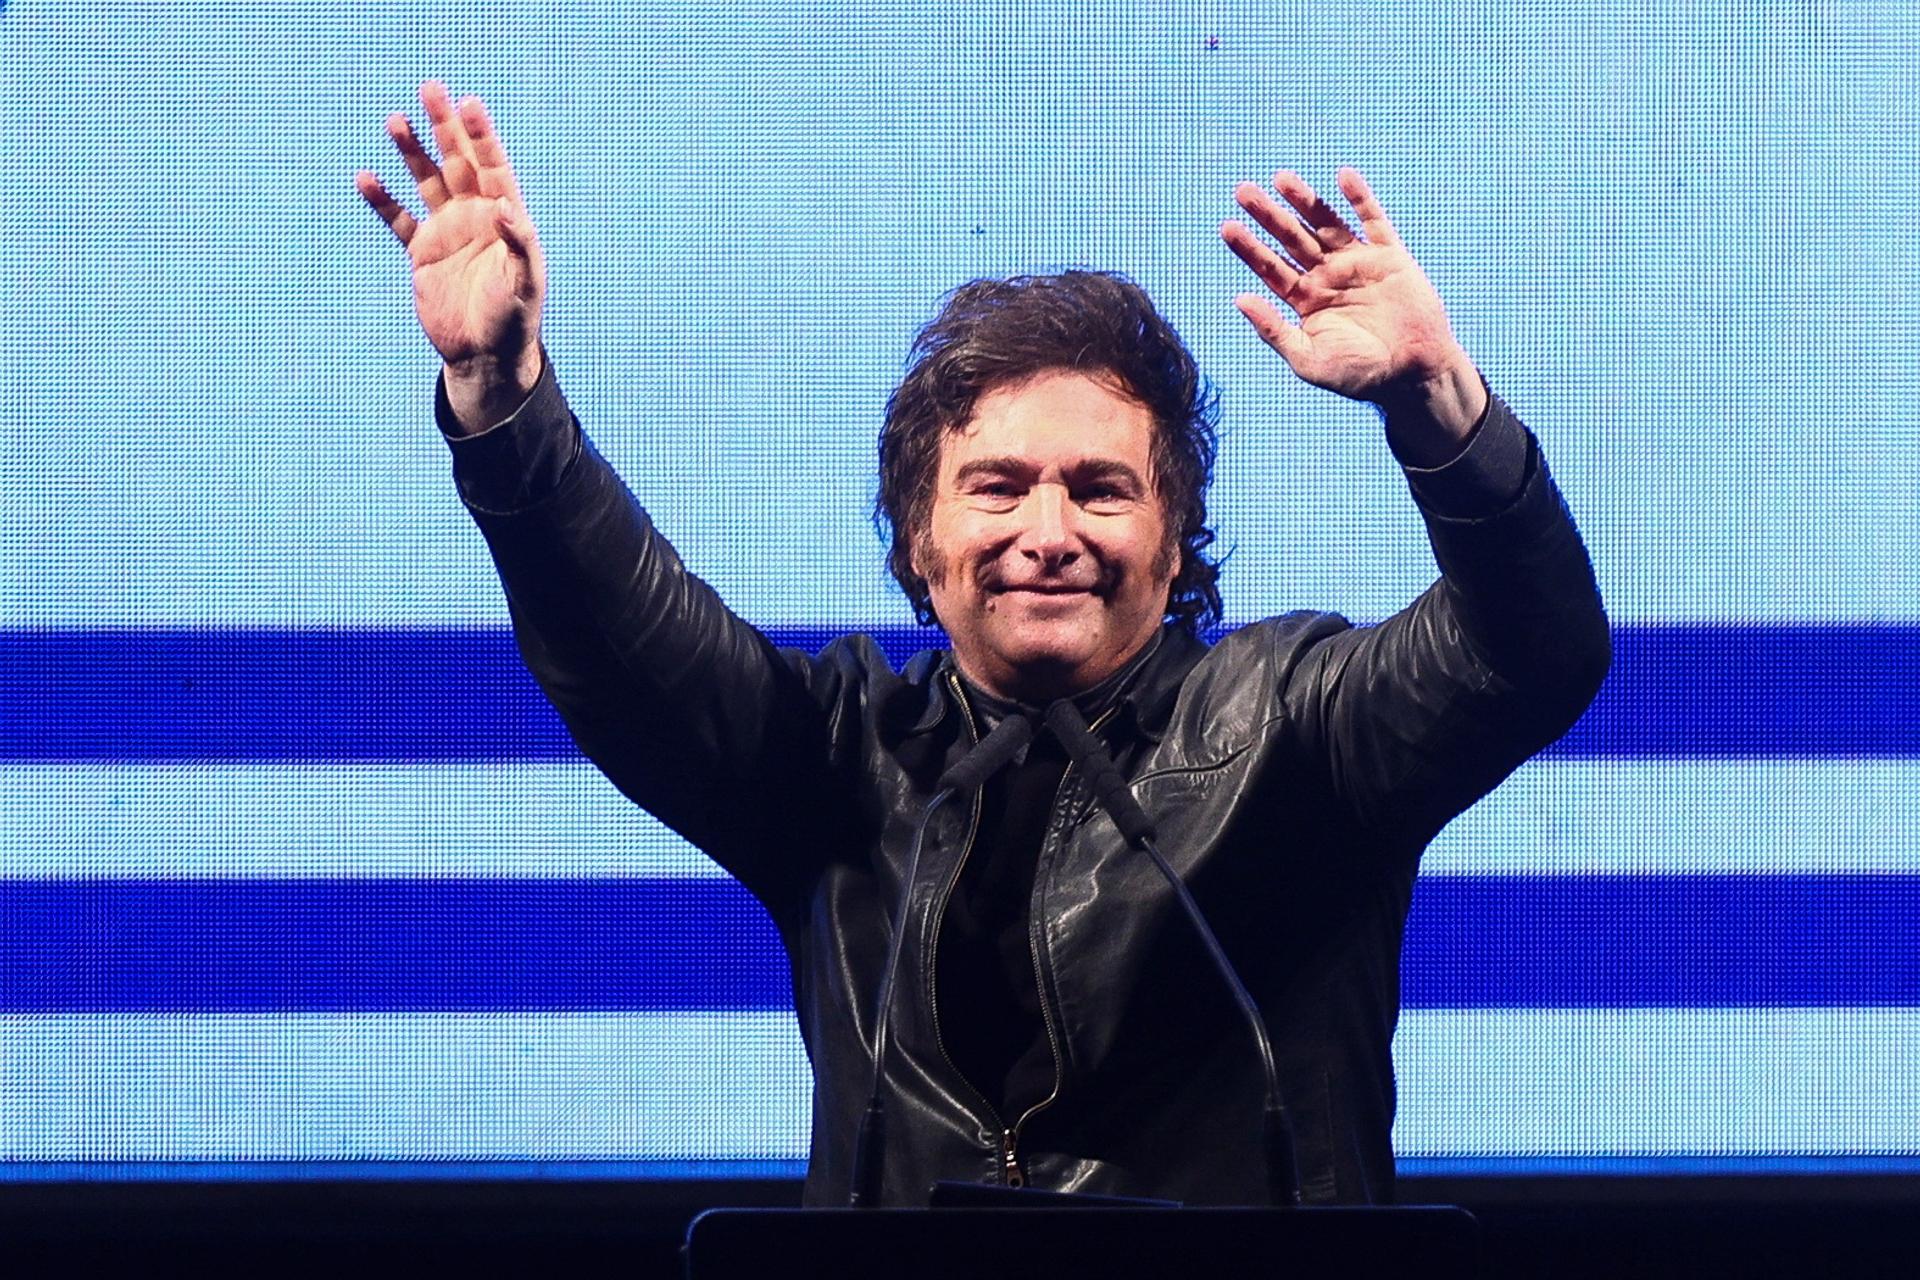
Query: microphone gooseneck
1110	790
986	758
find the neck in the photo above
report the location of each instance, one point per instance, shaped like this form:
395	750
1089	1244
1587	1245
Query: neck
1033	689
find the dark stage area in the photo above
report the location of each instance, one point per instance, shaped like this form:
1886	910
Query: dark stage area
1832	1226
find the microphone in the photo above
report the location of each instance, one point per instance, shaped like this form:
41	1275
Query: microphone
986	758
1110	790
1007	740
1103	775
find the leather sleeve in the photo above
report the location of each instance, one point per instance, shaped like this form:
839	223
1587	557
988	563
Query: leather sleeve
1420	716
686	708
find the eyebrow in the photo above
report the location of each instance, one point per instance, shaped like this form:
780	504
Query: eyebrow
1081	472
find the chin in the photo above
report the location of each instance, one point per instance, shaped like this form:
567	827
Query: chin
1047	661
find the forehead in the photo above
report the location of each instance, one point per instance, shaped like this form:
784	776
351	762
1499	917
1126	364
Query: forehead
1054	419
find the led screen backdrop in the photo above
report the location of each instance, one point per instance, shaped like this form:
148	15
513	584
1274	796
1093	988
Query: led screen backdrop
295	865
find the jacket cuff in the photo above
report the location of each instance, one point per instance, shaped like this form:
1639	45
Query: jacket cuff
519	461
1485	477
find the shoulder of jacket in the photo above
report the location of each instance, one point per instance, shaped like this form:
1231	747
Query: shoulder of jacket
1280	640
1232	694
855	670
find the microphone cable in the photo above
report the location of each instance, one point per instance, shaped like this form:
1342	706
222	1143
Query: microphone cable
1110	790
971	771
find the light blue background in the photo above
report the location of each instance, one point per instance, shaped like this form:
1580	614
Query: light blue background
1677	238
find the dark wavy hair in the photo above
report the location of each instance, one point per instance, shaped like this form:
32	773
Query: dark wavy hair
995	333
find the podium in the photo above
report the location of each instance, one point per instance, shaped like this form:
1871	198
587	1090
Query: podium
1440	1242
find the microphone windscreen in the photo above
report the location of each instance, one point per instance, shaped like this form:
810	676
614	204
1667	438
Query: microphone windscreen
1109	787
1070	727
986	759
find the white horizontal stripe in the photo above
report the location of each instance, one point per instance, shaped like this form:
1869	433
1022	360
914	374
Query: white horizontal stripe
1658	1082
1570	816
1500	1083
527	820
679	1086
1684	816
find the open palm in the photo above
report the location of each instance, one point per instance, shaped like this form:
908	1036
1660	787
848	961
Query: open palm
479	277
469	288
1369	324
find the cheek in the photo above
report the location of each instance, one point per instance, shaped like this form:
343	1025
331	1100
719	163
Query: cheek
1148	551
1167	552
935	545
954	544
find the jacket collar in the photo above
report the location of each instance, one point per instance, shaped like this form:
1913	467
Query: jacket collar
1146	704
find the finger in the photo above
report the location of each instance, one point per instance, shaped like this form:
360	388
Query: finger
391	211
1274	330
1328	226
516	230
495	174
1274	271
1298	243
523	249
1373	218
426	174
457	163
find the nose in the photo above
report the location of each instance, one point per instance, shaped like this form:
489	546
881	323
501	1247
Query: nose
1049	530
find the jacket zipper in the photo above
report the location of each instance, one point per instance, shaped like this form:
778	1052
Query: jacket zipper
1009	1162
1010	1140
1010	1169
933	951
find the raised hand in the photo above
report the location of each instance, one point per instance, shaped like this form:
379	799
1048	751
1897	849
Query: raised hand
1370	326
479	277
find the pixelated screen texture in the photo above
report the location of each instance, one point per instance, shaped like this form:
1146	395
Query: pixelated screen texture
296	867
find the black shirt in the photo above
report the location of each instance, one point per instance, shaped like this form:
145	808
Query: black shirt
987	990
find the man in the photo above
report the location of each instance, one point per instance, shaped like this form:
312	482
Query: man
1043	471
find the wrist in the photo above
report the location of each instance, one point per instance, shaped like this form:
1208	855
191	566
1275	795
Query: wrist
484	391
1429	421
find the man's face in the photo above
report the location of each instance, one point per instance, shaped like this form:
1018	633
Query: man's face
1047	553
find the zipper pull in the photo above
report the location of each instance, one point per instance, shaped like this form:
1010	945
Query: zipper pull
1009	1165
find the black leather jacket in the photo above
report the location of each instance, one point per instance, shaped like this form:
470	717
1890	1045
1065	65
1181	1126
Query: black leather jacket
1296	770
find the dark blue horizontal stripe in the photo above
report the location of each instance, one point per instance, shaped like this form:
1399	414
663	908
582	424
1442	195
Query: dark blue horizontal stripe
1722	692
462	695
1680	941
272	696
611	944
373	945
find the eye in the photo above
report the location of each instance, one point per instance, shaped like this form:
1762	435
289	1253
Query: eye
995	493
1103	494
